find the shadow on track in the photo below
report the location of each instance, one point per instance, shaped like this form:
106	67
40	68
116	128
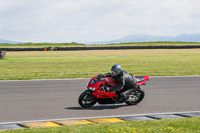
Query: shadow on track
100	107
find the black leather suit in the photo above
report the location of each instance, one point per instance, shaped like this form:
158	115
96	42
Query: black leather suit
125	80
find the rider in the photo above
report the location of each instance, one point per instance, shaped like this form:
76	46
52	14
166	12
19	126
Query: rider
124	79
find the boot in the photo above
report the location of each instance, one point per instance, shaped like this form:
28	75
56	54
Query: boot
125	95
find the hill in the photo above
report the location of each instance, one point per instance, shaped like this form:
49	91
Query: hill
7	41
149	38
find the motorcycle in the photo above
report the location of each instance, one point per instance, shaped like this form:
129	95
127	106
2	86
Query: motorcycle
96	92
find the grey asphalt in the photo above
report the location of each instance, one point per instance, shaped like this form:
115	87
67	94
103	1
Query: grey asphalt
57	99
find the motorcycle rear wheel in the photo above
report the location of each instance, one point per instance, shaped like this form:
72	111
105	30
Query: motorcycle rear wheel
139	95
86	100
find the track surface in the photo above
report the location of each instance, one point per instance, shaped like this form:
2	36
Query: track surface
57	99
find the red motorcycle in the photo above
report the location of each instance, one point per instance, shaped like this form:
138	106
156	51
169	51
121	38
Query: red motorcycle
96	92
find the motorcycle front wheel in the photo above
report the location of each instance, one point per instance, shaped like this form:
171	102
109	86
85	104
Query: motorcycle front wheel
138	96
86	100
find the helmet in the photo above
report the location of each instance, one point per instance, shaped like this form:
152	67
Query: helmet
116	68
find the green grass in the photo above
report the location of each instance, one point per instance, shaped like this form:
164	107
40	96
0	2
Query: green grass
33	45
154	43
85	64
181	125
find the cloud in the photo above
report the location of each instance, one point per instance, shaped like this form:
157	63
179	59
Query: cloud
89	20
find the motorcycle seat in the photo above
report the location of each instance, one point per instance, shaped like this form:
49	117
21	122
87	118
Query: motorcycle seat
139	78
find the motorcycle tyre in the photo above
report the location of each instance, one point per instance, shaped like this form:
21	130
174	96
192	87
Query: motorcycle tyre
86	105
138	101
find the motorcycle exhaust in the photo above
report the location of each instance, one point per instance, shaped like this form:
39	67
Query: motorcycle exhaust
132	98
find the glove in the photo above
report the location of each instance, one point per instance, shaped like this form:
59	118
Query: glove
108	88
101	76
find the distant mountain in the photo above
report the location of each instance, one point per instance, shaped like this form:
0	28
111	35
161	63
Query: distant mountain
141	38
7	41
188	37
149	38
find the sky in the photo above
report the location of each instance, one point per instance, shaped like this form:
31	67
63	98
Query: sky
95	20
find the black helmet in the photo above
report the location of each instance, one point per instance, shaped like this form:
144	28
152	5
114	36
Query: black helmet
116	68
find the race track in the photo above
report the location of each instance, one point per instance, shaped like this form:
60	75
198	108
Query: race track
57	99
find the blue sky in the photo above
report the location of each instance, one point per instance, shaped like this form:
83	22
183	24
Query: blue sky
95	20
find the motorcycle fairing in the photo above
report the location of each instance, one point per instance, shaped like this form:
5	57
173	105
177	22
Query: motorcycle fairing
104	94
95	85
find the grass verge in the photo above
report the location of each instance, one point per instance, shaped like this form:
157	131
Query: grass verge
85	64
179	125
